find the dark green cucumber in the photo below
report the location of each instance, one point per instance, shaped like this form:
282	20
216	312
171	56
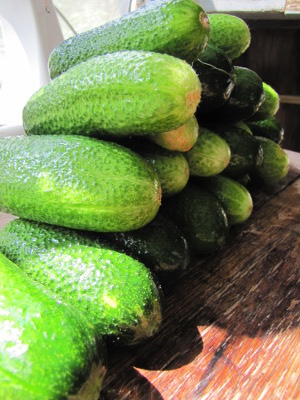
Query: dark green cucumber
230	33
269	128
176	27
115	292
209	156
275	165
269	106
160	245
234	197
216	74
246	151
125	93
200	216
181	139
245	99
77	182
48	351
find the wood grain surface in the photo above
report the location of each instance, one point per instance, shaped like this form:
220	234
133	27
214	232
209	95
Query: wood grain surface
231	323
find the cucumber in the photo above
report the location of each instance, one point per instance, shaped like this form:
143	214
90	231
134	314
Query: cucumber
181	139
125	93
269	106
230	33
234	197
209	156
160	245
200	216
275	165
246	151
269	128
216	74
176	27
171	167
245	99
113	291
77	182
48	351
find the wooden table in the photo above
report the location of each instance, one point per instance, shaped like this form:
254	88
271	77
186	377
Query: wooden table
232	321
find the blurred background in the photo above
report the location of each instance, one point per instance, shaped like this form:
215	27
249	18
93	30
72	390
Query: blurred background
274	52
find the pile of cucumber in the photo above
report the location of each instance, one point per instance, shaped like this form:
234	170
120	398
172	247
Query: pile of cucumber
137	154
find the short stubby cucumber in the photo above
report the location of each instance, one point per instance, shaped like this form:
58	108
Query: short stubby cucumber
181	139
172	168
269	106
200	216
216	74
115	292
209	156
77	182
48	350
270	128
160	245
230	33
125	93
176	27
275	165
234	197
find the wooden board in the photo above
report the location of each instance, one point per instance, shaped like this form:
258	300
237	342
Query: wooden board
231	325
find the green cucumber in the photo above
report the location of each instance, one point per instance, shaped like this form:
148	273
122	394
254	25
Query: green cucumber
216	74
125	93
115	292
269	128
171	167
234	197
246	151
269	106
230	33
160	245
209	156
48	351
181	139
275	165
77	182
200	216
176	27
245	99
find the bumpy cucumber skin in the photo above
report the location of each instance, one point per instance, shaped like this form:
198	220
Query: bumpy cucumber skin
176	27
125	93
246	151
245	99
160	245
115	292
209	156
216	74
234	198
200	216
230	33
181	139
77	182
48	351
269	128
269	106
172	169
275	165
